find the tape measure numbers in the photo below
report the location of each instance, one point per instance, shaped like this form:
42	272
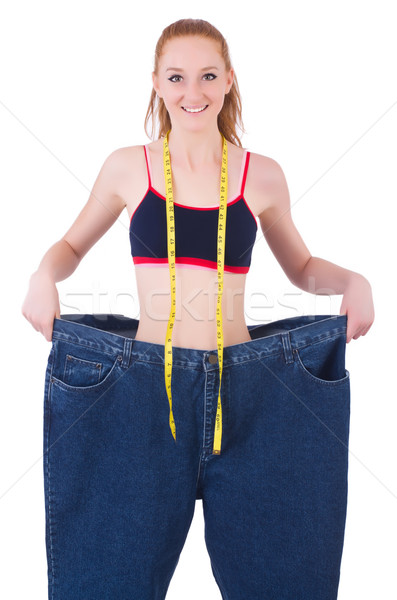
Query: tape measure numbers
220	268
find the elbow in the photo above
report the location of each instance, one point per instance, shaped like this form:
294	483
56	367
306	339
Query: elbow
78	257
297	277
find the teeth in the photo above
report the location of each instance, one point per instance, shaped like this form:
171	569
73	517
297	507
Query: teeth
194	109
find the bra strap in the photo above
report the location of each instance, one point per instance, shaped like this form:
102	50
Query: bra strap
148	165
247	158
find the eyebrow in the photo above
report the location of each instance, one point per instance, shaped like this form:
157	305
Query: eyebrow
178	69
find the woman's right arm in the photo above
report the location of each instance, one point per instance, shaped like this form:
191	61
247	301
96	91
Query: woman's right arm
41	304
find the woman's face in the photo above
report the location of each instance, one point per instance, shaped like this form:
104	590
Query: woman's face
192	75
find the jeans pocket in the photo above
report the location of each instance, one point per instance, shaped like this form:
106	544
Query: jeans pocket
79	371
324	361
79	367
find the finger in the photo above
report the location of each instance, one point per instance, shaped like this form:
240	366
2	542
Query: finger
47	331
358	333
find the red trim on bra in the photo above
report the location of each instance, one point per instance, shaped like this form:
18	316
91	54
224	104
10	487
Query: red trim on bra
194	207
187	260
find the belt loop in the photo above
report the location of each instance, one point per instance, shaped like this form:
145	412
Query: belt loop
285	338
127	352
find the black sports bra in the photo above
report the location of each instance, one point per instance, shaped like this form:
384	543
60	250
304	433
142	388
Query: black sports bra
196	230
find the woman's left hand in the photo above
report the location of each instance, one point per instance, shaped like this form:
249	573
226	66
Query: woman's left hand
358	305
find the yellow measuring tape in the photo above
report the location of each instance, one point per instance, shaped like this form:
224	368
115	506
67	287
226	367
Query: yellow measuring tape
220	263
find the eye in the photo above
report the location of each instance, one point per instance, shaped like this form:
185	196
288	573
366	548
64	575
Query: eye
171	78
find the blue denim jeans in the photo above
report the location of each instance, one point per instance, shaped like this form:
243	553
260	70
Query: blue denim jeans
120	492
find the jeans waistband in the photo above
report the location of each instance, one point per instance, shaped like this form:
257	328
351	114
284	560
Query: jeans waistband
115	333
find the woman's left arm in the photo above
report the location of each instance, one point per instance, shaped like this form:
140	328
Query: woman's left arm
309	273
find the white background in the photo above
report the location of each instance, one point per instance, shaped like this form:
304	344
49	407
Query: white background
319	95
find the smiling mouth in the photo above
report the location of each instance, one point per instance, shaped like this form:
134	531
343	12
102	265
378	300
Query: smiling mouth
193	111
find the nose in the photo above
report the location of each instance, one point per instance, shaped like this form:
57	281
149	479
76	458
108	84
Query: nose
193	92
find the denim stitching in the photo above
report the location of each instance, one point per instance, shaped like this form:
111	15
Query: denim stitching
49	489
331	336
315	379
306	406
287	348
67	386
95	401
98	348
91	363
226	362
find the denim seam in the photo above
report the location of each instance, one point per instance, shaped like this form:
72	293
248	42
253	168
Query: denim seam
259	356
202	463
89	346
287	348
175	363
331	336
331	318
226	363
95	386
331	382
128	344
87	363
51	521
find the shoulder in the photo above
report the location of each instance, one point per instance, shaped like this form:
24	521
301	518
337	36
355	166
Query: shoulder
120	172
122	164
122	157
266	179
265	170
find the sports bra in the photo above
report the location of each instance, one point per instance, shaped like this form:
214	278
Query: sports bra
196	230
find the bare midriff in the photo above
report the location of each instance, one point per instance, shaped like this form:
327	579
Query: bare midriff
196	297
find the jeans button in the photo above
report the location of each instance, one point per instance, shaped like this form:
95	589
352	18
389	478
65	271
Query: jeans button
213	359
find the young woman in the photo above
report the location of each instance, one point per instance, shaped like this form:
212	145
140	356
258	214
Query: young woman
257	424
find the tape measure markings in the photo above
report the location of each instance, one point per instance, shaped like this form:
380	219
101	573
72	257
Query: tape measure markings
220	270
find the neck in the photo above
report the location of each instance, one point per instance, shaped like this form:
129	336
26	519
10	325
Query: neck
191	150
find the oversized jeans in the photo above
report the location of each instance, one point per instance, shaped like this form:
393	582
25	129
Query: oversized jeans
120	492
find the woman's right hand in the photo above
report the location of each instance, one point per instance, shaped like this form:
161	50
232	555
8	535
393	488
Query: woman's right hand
41	304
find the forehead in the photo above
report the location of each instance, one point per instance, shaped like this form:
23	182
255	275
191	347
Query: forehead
188	51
